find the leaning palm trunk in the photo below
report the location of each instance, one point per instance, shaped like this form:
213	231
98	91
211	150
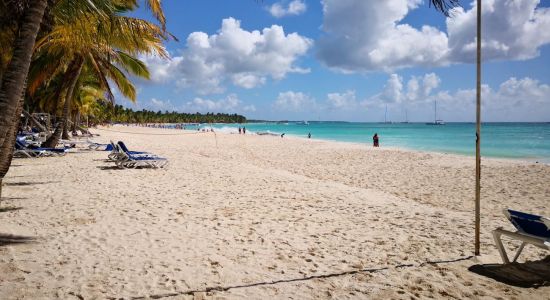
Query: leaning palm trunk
6	150
62	122
14	78
14	81
76	121
34	121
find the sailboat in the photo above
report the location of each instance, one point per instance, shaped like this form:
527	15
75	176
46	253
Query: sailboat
406	118
386	116
436	121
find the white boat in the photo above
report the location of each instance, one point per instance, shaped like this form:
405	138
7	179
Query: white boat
436	120
302	123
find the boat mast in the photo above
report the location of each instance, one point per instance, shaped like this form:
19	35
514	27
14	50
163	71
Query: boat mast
435	112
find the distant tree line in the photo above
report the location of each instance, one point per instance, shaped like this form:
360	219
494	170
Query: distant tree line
120	114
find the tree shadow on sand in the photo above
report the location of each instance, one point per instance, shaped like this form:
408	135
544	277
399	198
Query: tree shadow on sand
9	208
10	239
531	274
26	183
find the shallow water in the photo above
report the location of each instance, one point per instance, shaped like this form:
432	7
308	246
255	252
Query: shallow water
529	141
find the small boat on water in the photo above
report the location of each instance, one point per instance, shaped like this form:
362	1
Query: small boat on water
302	123
436	121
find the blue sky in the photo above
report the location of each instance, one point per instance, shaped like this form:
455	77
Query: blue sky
349	60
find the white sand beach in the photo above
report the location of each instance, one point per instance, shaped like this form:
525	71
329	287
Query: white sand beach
261	217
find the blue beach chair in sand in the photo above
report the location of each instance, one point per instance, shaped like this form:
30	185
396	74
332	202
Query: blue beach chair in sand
531	229
21	149
135	159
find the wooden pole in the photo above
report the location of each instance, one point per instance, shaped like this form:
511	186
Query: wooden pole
478	129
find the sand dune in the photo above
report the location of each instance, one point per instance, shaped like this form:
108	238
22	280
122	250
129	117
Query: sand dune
260	217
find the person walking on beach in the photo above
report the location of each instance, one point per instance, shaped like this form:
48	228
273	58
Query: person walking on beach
375	140
244	130
239	129
309	135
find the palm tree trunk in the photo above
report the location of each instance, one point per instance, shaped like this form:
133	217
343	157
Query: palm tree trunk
62	122
6	149
14	78
34	121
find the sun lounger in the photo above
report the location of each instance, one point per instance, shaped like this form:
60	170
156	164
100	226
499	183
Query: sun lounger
134	159
125	149
91	145
117	151
23	150
531	229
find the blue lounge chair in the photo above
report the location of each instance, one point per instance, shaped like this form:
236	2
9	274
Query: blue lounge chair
134	159
21	149
531	229
125	149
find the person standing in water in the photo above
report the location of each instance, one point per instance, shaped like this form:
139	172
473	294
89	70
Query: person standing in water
244	130
375	140
309	135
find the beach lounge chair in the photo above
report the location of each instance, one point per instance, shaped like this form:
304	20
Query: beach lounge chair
22	149
91	145
117	151
134	159
531	229
125	149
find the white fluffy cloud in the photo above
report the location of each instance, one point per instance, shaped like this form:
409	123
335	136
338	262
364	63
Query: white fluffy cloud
524	99
295	7
229	104
294	102
368	35
158	104
511	29
243	58
346	100
418	89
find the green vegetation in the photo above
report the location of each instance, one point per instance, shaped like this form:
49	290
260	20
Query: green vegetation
103	113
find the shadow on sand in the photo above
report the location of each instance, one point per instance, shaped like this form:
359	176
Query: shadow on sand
9	208
109	168
26	183
531	274
9	239
12	198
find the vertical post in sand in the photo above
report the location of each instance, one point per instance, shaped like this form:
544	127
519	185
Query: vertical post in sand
478	129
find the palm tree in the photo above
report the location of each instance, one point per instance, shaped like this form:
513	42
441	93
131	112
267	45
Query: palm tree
26	17
106	50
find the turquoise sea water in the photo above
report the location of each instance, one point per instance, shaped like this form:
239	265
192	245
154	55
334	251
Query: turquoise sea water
529	141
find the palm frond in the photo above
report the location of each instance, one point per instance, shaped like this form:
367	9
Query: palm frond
132	65
444	6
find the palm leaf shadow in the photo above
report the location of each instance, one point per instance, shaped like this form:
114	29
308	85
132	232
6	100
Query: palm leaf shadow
9	239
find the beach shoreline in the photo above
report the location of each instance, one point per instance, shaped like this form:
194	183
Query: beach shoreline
236	216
